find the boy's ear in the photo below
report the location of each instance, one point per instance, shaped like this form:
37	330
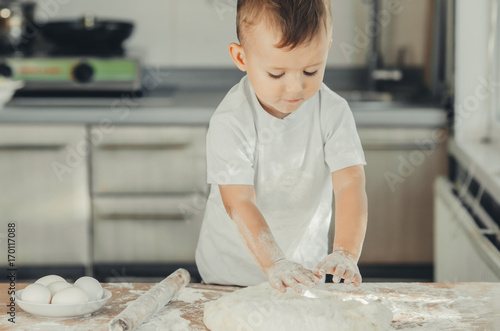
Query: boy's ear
238	56
330	44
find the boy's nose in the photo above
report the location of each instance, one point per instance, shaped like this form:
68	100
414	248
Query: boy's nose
294	85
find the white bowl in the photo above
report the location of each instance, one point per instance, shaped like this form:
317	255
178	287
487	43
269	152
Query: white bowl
60	310
7	89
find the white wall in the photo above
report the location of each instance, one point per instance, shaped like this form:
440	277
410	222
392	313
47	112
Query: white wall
196	33
472	99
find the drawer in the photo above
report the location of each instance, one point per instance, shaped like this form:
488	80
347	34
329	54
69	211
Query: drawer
26	136
402	138
147	229
149	160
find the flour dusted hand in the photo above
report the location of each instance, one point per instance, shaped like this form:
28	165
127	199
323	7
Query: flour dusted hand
340	264
284	273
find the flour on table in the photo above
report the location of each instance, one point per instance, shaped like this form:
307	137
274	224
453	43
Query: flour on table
262	308
166	319
169	318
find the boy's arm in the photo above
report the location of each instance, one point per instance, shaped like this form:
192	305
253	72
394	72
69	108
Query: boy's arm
240	204
351	213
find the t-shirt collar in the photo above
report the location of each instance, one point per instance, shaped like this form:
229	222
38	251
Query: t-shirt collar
263	115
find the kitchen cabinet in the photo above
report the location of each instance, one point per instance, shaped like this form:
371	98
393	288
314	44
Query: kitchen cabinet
402	164
81	196
148	193
44	182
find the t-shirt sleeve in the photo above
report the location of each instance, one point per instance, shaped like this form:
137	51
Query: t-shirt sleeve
342	144
230	154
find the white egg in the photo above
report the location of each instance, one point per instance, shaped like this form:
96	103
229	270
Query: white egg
49	279
69	296
57	286
91	286
36	293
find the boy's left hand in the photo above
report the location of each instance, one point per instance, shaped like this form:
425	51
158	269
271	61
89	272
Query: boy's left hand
340	264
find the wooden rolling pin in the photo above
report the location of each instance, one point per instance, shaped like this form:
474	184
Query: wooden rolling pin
150	302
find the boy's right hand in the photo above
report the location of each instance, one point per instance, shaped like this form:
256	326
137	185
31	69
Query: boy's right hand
283	273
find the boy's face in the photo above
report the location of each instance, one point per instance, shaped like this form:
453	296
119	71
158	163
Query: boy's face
282	79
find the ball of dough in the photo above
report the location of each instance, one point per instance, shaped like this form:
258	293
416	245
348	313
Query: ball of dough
263	308
69	296
49	279
36	293
57	286
91	286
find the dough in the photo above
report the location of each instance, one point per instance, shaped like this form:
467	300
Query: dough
260	308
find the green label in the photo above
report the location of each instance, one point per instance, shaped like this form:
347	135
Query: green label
61	69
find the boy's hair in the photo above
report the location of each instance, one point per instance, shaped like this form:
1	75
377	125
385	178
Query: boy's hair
297	20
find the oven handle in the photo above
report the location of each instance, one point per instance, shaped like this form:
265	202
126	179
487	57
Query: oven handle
143	216
378	146
111	147
20	148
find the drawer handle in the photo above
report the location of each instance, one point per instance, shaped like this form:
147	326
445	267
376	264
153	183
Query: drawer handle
20	148
398	146
144	216
109	147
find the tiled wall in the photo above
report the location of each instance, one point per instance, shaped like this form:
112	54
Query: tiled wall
196	33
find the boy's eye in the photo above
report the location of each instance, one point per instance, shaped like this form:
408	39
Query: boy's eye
275	76
310	73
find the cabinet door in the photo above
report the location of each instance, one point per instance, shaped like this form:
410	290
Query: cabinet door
43	177
149	160
401	167
147	229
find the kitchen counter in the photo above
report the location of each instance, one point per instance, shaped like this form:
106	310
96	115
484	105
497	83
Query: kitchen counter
191	107
435	306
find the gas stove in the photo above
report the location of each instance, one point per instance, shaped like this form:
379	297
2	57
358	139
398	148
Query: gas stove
51	75
81	57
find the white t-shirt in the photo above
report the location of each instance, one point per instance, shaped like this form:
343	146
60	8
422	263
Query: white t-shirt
289	162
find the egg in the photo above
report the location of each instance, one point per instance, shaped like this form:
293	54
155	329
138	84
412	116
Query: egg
49	279
36	293
57	286
69	296
91	286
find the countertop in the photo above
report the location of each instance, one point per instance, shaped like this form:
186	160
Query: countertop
191	107
422	306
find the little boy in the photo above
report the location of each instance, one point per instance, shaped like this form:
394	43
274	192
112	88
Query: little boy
277	145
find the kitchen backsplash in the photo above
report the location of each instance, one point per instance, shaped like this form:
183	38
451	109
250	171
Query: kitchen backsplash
196	33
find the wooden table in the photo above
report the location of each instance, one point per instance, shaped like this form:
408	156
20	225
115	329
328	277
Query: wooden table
441	306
